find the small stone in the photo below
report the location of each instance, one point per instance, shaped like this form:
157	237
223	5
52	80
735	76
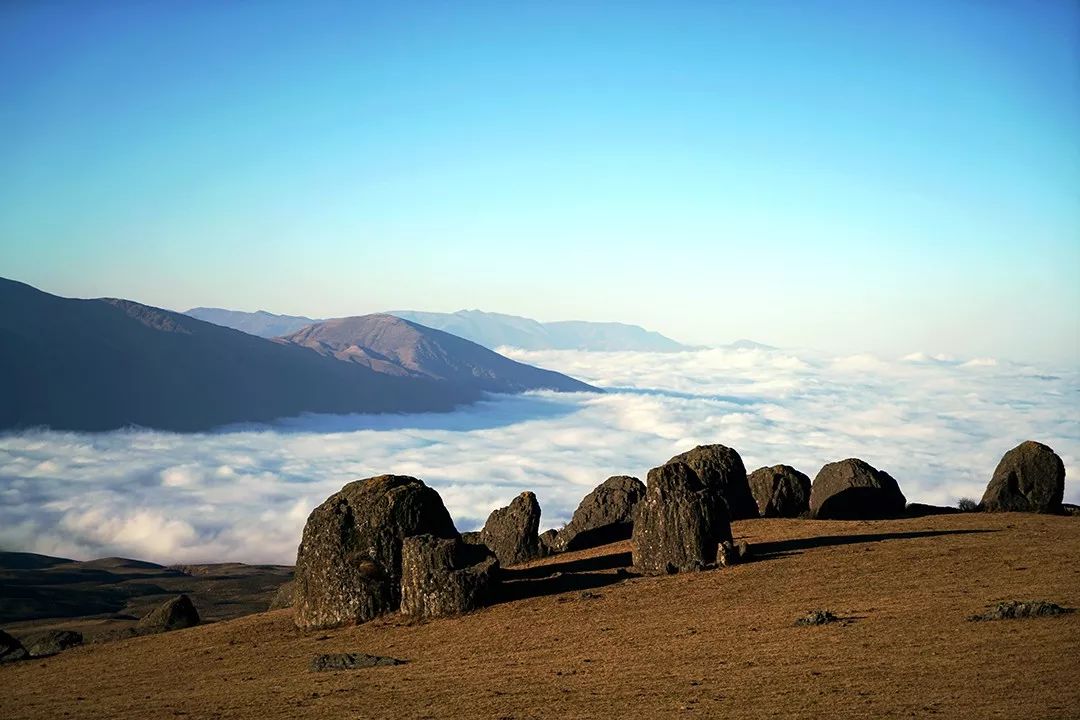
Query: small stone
350	661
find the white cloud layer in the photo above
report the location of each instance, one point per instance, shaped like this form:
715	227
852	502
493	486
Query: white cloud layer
937	424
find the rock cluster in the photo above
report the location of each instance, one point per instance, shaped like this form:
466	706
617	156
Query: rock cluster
854	490
11	649
173	614
780	491
387	543
605	515
679	523
348	566
441	576
1029	478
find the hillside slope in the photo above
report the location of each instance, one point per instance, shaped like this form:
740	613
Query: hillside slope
260	322
495	330
104	364
586	643
388	344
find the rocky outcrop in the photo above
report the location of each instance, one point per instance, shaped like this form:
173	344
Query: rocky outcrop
722	471
780	491
441	576
548	538
605	515
731	553
1029	478
11	649
511	532
173	614
52	642
854	490
283	598
348	566
679	523
330	662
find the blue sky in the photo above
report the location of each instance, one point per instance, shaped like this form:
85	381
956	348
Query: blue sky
848	176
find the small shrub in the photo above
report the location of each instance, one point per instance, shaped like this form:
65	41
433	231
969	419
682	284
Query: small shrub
817	617
1017	609
967	505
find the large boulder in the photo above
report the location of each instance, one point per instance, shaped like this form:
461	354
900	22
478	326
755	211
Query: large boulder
548	538
52	642
604	515
780	491
854	490
512	532
11	649
283	597
348	566
173	614
441	576
679	523
1029	478
722	470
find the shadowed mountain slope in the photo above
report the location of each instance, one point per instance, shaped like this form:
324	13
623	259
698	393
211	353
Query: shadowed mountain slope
104	364
391	345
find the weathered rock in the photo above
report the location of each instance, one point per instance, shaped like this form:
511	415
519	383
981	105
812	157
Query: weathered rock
475	537
1020	609
52	642
441	577
679	523
1029	478
721	469
350	661
348	566
730	553
605	515
547	541
854	490
283	598
512	532
11	649
173	614
780	491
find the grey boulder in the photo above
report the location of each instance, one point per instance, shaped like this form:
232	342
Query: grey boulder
605	515
173	614
679	524
512	532
1029	478
853	489
348	566
780	491
442	577
721	469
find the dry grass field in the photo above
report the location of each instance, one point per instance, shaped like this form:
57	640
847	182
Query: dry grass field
721	643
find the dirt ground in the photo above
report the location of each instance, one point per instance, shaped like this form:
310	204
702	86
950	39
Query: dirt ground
721	643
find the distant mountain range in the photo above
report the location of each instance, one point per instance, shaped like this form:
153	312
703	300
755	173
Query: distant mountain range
108	363
391	345
492	330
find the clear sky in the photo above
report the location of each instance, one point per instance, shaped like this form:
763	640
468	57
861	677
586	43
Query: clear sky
882	176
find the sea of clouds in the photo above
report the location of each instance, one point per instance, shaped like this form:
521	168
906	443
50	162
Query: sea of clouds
938	425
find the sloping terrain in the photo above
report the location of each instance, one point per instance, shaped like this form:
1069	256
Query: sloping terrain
495	330
260	322
585	642
388	344
104	364
104	598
